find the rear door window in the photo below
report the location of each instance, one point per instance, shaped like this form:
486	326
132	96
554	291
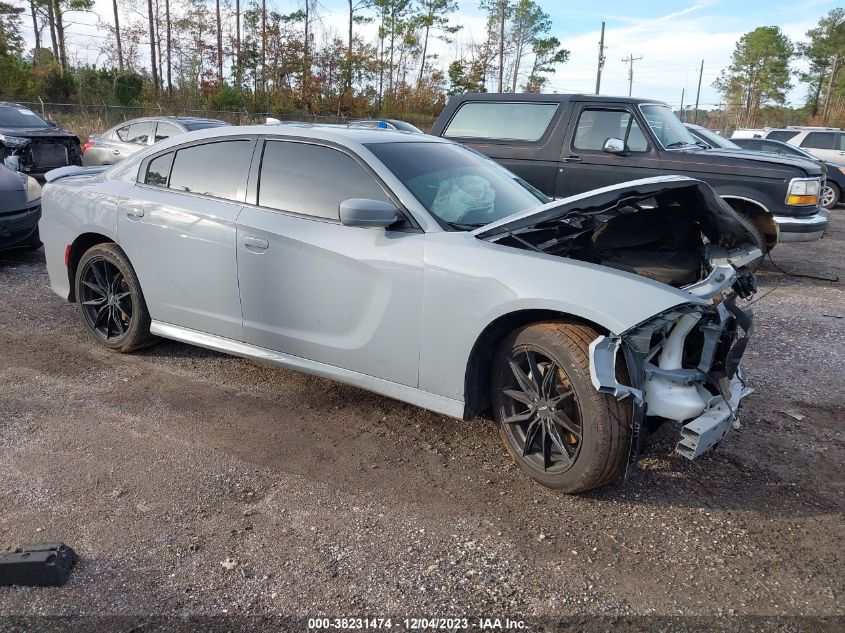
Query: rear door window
819	140
312	179
595	126
166	130
211	169
158	170
137	133
501	121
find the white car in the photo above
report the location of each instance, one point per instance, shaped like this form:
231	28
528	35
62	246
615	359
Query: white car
825	143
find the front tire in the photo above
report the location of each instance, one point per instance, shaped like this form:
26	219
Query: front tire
110	300
555	425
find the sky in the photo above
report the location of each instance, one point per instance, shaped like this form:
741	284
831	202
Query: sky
671	36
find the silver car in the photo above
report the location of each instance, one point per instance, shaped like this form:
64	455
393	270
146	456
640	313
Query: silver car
129	137
413	267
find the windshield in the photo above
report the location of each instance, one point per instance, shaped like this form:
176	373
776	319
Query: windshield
11	116
715	140
666	126
455	185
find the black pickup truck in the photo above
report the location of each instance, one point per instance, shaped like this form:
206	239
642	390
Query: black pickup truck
565	144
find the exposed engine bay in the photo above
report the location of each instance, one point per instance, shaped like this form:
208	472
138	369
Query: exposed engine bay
682	365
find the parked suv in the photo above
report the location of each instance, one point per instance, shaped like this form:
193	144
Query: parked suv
129	137
33	145
568	144
825	143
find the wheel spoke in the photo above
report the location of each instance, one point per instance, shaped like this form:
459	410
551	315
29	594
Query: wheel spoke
519	396
519	417
117	322
94	302
100	313
530	434
523	380
548	380
94	287
535	370
557	440
553	402
120	296
100	277
566	422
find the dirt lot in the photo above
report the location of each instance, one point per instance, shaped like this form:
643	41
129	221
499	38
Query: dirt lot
193	483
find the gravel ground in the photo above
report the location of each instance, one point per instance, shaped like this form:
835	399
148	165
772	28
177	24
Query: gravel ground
196	484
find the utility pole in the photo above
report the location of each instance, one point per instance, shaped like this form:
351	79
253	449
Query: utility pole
630	61
683	90
601	60
698	93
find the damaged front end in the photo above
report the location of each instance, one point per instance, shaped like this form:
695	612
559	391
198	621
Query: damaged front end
682	364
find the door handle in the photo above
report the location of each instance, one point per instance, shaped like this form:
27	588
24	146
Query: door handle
255	243
135	213
572	159
116	152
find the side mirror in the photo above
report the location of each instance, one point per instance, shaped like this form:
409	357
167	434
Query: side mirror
374	214
52	123
614	146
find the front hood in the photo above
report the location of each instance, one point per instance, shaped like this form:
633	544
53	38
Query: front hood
587	211
752	158
36	133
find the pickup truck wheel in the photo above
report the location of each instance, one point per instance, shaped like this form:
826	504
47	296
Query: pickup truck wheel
110	299
831	195
552	421
759	240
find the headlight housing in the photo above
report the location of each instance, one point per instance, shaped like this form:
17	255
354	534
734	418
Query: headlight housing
803	191
13	141
33	189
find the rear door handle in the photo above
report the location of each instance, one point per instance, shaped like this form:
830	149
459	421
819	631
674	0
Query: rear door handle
572	159
116	152
255	243
135	213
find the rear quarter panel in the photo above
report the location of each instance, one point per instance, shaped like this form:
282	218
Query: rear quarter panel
71	207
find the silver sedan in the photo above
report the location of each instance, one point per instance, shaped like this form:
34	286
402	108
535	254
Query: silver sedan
413	267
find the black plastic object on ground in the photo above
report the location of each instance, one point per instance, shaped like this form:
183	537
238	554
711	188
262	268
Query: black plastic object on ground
38	565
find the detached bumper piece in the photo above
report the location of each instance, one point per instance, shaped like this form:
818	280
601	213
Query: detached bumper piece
37	565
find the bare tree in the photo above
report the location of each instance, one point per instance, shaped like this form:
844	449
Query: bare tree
153	66
219	45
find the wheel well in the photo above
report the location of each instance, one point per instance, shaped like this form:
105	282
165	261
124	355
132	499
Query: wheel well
480	364
761	218
79	247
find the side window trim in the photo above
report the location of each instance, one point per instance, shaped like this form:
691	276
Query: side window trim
240	194
644	129
252	186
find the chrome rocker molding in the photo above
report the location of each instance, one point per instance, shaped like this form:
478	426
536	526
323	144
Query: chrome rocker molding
424	399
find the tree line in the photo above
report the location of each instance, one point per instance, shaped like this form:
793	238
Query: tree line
761	74
248	54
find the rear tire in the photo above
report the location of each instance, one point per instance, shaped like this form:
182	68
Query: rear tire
577	437
110	300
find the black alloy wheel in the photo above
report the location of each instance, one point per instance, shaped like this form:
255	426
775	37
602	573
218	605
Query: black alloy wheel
542	416
106	299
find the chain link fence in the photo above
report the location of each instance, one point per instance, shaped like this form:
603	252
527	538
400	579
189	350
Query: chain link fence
86	119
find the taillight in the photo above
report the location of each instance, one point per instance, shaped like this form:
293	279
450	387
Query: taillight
67	254
87	145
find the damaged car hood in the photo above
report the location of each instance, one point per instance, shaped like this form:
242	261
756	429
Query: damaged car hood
587	211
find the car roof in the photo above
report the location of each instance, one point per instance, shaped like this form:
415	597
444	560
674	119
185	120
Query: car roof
547	98
339	134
